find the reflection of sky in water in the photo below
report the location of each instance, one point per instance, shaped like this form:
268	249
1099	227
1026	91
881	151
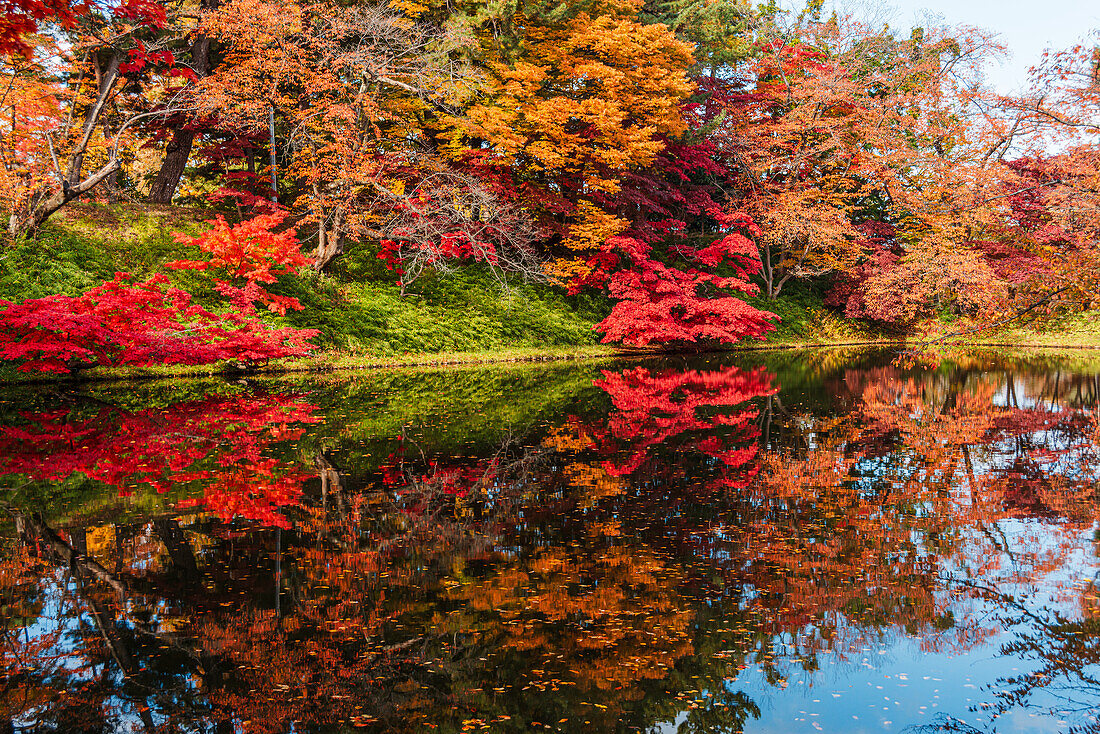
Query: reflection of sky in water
61	622
897	683
888	689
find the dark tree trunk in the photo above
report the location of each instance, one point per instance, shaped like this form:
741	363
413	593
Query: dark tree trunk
179	550
78	539
171	170
179	147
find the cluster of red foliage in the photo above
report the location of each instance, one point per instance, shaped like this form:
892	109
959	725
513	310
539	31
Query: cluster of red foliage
127	323
144	323
878	240
22	17
664	304
216	442
252	252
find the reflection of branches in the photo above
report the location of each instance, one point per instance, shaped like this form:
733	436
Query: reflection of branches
423	490
1066	650
64	552
116	633
465	583
943	723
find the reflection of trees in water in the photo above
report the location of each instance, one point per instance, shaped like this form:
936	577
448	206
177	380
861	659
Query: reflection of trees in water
97	657
215	443
617	569
1058	652
950	459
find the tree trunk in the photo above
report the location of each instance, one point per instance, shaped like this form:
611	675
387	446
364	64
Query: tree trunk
179	147
106	76
767	271
179	550
329	245
46	202
330	242
112	188
171	170
61	550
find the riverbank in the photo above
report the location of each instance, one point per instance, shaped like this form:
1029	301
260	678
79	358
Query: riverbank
362	317
466	317
357	309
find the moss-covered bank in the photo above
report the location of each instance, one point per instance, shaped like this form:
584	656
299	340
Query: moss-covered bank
465	317
361	314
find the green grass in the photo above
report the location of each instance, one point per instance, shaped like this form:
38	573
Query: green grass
358	309
464	312
1068	331
86	244
805	320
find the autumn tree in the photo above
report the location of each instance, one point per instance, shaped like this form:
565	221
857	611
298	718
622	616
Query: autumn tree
350	86
198	60
1061	103
831	120
251	254
87	115
1043	242
570	112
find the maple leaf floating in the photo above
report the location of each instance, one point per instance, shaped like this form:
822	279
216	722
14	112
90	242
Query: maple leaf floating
127	323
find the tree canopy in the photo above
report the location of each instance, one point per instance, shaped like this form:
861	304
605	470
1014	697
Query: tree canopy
676	157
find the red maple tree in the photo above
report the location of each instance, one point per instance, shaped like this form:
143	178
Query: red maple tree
126	323
252	254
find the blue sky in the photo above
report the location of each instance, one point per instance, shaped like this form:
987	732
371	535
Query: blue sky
1026	27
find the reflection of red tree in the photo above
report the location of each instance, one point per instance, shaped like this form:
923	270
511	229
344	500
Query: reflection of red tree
685	406
424	488
218	442
251	492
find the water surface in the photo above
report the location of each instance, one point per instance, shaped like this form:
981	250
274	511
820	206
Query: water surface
808	541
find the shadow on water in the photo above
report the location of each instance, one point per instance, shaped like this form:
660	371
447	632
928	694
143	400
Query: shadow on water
816	541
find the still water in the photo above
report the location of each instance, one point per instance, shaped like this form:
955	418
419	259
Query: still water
801	542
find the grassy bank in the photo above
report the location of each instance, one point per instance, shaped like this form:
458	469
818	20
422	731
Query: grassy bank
1075	331
363	318
1048	335
358	308
333	361
805	321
